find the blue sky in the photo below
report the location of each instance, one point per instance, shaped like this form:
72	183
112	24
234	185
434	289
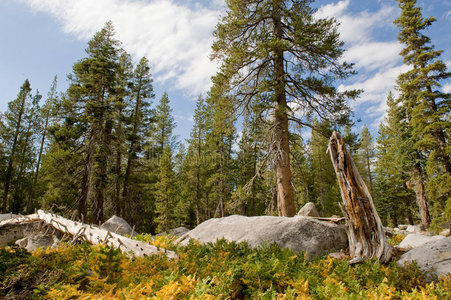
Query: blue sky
43	38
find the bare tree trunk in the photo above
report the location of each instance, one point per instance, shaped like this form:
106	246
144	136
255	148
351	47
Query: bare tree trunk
364	228
285	194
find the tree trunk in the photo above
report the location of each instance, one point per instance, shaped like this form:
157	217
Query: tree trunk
101	175
86	180
418	187
285	194
364	228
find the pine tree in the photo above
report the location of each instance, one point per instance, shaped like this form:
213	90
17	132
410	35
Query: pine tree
325	190
47	112
12	135
393	199
427	108
252	194
366	155
159	138
300	163
165	192
279	51
163	125
196	164
137	132
92	92
220	141
26	158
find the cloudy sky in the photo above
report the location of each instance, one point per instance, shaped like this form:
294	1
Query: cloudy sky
43	38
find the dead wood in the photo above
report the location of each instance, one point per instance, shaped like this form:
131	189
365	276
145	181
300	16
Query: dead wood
331	219
364	228
88	233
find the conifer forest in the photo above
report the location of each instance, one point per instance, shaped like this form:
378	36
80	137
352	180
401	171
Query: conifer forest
105	146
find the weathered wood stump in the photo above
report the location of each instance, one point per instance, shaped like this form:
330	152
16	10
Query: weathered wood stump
364	228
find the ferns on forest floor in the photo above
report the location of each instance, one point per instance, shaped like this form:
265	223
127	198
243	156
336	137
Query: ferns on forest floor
213	271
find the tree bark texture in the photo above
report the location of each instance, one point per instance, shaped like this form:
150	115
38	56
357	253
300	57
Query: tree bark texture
285	193
364	228
418	187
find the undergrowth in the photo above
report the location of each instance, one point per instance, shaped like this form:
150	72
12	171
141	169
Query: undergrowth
215	271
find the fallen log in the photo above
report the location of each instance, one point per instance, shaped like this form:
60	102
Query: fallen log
365	231
331	219
90	234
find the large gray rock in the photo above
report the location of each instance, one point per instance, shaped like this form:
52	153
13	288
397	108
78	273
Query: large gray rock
179	231
415	240
298	233
11	232
414	228
117	225
434	256
31	243
308	210
4	217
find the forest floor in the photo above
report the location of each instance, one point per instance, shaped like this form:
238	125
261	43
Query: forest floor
214	271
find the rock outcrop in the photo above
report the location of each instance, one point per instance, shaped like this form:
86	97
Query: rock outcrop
308	210
434	256
31	243
117	225
415	240
298	233
179	231
9	216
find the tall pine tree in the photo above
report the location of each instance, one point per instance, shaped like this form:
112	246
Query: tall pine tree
279	51
428	108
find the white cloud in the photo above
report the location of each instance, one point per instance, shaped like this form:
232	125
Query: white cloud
447	88
357	27
374	55
175	37
332	9
376	59
376	87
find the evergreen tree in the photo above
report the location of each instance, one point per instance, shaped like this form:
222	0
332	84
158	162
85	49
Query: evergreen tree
92	93
366	155
137	133
163	125
165	192
277	50
196	164
19	125
392	196
427	108
48	111
252	194
159	138
184	212
300	163
119	118
325	190
220	141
